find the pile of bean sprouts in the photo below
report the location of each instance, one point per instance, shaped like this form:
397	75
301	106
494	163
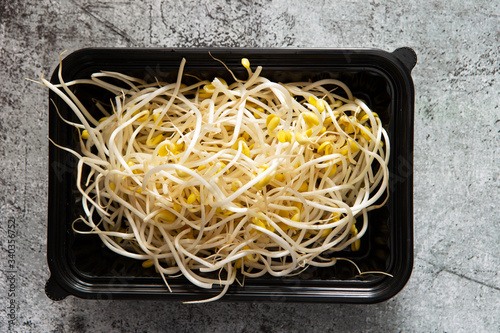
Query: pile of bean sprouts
218	181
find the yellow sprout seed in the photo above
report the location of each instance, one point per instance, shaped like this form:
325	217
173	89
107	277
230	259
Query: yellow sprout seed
364	133
245	150
224	83
301	138
269	118
283	213
155	140
191	198
296	217
323	147
250	257
163	151
237	143
179	146
245	62
263	182
204	94
272	121
235	185
144	117
326	232
333	171
320	105
353	145
209	88
148	263
222	166
337	104
283	226
280	177
343	120
284	136
177	208
135	171
356	245
317	103
85	134
312	100
258	222
166	216
311	119
181	173
365	116
237	264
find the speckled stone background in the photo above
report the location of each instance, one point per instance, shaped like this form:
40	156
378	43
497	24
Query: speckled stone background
455	286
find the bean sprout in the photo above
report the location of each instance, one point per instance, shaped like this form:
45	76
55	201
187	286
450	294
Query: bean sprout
211	180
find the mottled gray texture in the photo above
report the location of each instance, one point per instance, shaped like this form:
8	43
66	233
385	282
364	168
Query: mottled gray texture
455	285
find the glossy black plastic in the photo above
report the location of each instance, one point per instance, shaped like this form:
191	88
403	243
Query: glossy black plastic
81	266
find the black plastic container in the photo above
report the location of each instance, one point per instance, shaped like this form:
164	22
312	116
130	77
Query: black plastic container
81	266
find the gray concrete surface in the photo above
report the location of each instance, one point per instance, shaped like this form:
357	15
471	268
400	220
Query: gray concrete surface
455	286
